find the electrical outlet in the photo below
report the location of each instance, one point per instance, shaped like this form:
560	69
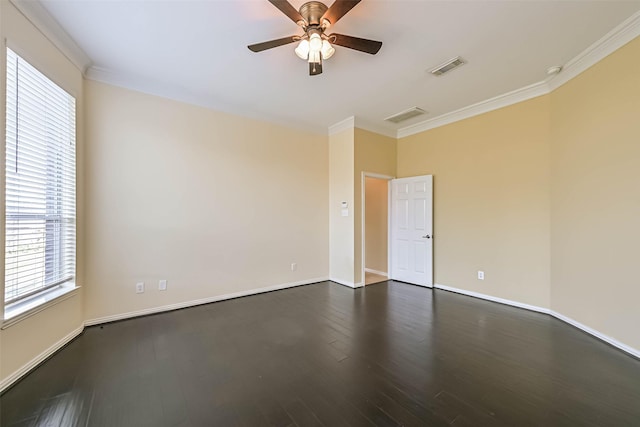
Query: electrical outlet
139	287
294	266
162	285
480	275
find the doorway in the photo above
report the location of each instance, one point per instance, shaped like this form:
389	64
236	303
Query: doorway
375	228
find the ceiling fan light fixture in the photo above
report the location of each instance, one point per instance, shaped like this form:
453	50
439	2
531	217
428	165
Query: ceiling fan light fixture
315	45
315	42
327	50
315	56
303	50
314	49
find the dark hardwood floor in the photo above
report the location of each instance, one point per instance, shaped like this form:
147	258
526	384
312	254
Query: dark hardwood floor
325	355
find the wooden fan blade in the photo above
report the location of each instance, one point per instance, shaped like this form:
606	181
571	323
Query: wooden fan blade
259	47
285	7
338	9
356	43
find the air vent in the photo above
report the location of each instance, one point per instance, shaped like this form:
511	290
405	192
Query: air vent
447	66
406	115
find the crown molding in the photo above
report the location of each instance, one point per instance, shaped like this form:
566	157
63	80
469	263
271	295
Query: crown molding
609	43
139	84
372	127
49	27
142	85
344	125
180	94
500	101
354	122
605	46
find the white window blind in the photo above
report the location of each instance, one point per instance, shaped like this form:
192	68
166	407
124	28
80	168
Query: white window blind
40	192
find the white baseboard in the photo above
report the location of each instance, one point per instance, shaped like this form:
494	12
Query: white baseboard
25	369
347	284
343	282
612	341
380	273
192	303
494	299
17	375
627	349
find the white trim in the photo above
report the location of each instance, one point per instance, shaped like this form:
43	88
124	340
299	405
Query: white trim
343	282
33	363
628	30
379	273
363	176
599	335
347	124
378	176
177	93
25	369
49	27
492	298
353	122
609	43
148	86
375	128
389	257
500	101
605	46
611	341
22	310
193	303
347	284
103	75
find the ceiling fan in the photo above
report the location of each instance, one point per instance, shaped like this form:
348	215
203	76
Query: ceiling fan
315	18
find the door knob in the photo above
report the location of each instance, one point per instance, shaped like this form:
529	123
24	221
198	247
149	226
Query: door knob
426	237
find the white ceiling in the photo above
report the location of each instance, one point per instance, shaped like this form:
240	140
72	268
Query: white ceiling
196	51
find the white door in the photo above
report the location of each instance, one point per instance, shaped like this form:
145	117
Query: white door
412	230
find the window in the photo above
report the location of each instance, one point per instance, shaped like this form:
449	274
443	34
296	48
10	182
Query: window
40	187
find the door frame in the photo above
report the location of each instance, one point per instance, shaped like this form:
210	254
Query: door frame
387	178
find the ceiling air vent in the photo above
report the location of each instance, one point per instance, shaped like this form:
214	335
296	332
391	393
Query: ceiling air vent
447	66
406	115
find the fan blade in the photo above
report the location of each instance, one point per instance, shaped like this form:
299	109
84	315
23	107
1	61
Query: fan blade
286	8
356	43
338	9
259	47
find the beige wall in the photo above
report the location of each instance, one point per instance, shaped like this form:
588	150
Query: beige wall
214	203
374	153
595	196
376	223
542	196
491	200
341	155
23	342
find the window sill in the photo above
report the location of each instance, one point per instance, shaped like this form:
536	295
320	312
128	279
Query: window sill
21	310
